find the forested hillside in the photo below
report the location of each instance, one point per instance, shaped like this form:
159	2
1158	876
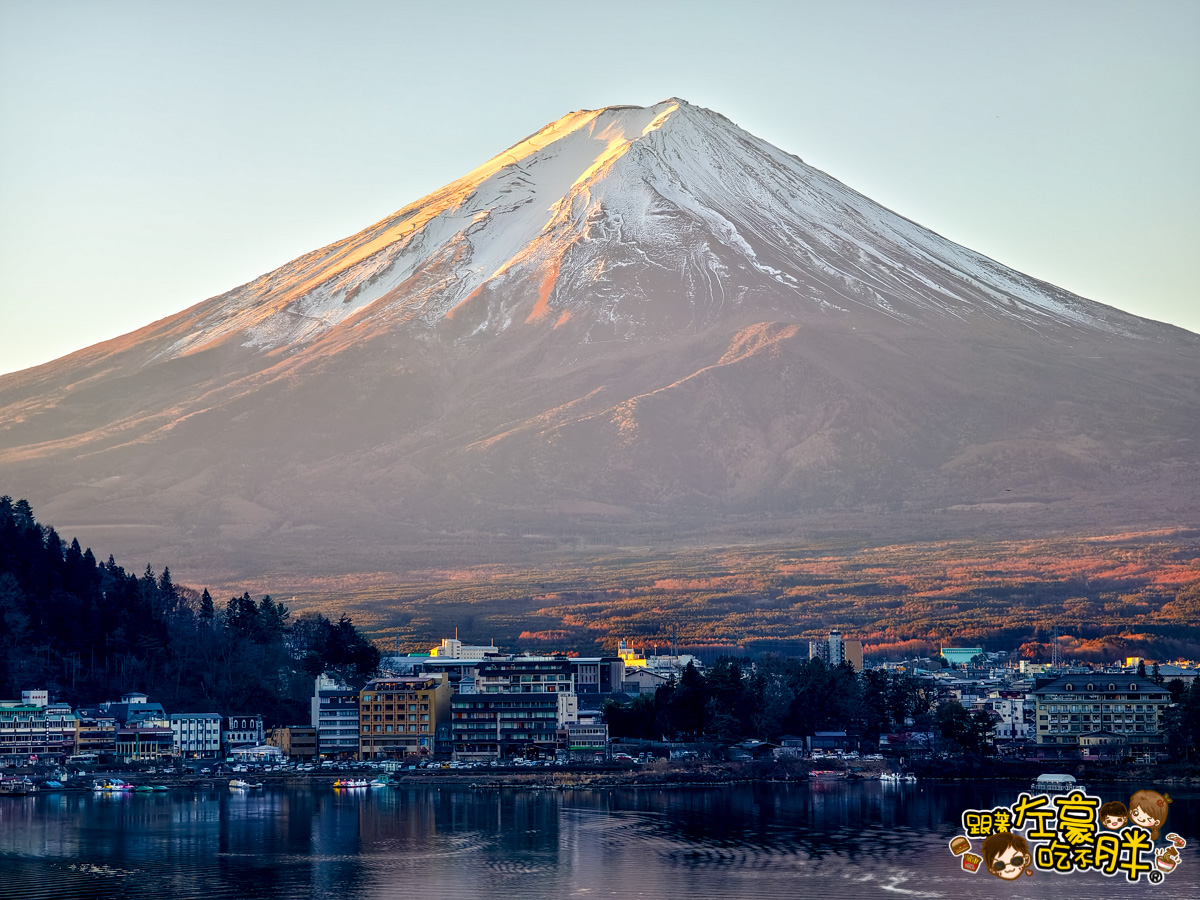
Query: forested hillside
90	631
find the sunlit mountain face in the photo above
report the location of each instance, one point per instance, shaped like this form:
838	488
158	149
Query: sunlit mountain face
635	327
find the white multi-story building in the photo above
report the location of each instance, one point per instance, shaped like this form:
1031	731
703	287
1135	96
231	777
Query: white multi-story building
453	648
836	650
197	735
335	716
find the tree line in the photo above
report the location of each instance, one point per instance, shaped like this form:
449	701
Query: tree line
772	697
775	696
90	631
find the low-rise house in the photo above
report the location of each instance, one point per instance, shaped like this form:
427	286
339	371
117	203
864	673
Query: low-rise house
751	750
643	681
585	741
258	753
833	742
790	745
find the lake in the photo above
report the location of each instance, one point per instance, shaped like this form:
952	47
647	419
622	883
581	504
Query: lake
826	840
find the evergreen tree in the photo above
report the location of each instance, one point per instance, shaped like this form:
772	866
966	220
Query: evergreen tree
207	611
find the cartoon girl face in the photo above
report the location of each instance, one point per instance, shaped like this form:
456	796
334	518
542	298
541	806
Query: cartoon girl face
1149	810
1140	817
1006	855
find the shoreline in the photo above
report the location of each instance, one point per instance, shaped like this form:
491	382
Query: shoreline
664	775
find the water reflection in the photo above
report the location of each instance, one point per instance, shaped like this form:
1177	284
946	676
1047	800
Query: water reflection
834	840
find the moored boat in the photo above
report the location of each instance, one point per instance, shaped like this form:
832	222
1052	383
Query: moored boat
17	787
825	774
112	786
1055	783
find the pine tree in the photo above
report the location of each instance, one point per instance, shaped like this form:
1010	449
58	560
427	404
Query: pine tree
206	606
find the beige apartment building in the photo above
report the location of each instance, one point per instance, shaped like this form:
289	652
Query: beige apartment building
399	716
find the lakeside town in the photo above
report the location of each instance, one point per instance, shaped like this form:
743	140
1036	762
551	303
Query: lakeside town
462	706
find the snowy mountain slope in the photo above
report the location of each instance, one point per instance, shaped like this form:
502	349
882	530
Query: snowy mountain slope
622	195
635	325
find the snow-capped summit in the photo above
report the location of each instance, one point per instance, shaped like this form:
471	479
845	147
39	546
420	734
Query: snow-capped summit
582	217
636	324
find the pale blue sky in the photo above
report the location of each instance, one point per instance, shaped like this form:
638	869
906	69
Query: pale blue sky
155	154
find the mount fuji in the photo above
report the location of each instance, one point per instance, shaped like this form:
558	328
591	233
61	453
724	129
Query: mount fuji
639	326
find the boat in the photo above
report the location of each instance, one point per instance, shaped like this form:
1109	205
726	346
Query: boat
350	783
112	786
825	774
17	787
143	789
898	778
238	785
1055	783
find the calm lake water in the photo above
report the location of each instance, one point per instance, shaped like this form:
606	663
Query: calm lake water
771	841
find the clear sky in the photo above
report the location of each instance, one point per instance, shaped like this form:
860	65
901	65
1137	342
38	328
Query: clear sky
155	154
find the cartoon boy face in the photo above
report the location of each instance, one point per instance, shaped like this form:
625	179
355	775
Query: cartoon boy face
1006	855
1113	816
1009	864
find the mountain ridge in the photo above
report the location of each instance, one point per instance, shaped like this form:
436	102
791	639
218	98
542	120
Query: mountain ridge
637	321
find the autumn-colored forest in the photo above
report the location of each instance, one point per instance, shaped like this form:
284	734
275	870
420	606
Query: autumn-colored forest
1109	595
